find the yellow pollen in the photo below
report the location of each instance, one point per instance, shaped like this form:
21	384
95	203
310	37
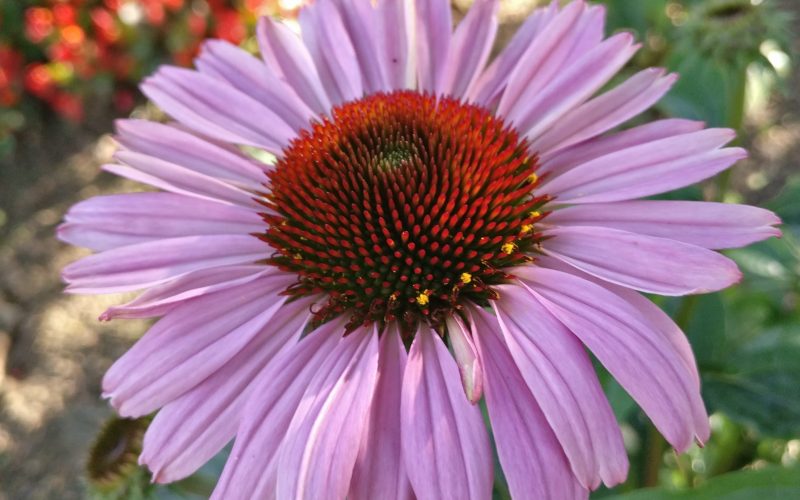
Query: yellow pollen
533	178
423	299
509	248
527	228
466	278
535	213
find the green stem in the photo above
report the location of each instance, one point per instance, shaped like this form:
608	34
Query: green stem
653	456
735	121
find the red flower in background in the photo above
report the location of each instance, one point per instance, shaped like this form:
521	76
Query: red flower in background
68	105
71	43
229	26
38	80
10	71
64	14
38	23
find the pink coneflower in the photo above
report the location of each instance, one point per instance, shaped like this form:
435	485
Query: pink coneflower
433	232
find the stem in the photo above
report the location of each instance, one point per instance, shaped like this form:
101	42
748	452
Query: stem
654	456
735	121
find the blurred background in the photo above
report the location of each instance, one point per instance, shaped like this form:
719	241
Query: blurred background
68	68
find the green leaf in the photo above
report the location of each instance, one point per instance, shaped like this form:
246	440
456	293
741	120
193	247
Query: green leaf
759	384
786	204
704	90
705	328
765	484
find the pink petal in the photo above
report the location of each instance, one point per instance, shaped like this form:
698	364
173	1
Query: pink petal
445	445
289	60
542	58
362	24
191	343
323	440
238	68
176	446
652	315
533	460
705	224
251	469
160	299
217	109
470	47
433	29
183	148
569	158
379	471
590	31
332	51
645	363
577	82
560	376
145	264
393	20
106	222
177	179
646	263
607	110
647	169
461	340
494	79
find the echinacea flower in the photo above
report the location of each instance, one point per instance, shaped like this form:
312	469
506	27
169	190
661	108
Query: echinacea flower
433	231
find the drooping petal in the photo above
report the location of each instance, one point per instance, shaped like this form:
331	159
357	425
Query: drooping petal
433	30
237	67
647	263
656	319
533	460
606	111
461	340
558	162
323	439
216	109
146	264
705	224
287	57
330	47
175	446
158	300
191	343
645	363
106	222
560	376
251	469
647	169
174	145
379	471
178	179
470	47
445	445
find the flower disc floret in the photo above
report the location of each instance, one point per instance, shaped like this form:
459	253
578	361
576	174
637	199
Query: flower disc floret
402	206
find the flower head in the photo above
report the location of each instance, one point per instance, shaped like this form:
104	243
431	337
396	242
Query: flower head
434	231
